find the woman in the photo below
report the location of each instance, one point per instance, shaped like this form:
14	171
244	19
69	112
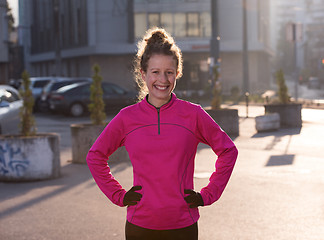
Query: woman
161	134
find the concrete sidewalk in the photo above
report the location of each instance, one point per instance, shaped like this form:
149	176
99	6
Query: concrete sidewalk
276	191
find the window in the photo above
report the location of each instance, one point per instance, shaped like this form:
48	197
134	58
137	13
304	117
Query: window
166	21
205	24
153	20
192	24
180	25
117	89
8	96
140	24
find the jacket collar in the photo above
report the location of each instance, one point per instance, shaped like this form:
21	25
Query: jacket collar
164	106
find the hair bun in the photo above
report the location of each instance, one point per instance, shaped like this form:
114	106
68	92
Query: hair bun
157	37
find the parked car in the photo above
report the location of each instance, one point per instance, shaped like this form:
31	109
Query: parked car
74	99
55	84
314	83
10	104
36	86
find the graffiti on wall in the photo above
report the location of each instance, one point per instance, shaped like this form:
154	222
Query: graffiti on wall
12	161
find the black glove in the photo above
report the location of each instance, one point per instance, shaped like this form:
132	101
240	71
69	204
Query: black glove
131	197
194	199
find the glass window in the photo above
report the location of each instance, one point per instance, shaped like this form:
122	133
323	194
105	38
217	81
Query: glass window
166	22
107	89
154	20
40	83
117	89
8	96
205	24
140	24
180	24
193	24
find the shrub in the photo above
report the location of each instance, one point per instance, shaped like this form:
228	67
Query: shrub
282	87
97	105
27	120
217	98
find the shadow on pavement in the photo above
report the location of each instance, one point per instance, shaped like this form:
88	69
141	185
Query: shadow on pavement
279	133
280	160
71	176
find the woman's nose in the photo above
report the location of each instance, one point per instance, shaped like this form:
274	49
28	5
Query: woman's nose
165	77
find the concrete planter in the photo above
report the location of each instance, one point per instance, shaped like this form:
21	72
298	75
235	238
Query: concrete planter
227	119
290	114
83	137
268	122
29	158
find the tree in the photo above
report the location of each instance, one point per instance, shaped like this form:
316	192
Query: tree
217	98
282	87
97	105
27	120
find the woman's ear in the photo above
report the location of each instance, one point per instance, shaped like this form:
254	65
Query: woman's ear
143	74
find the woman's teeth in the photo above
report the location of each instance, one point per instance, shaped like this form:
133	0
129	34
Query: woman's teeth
161	87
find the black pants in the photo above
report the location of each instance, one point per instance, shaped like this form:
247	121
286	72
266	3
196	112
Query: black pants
134	232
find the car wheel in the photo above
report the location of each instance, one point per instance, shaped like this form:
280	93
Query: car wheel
76	109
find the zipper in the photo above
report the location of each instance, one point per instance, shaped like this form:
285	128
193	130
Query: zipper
158	112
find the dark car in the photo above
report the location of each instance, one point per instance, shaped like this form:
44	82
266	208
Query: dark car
55	84
74	99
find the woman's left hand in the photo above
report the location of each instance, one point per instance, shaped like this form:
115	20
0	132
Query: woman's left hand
194	199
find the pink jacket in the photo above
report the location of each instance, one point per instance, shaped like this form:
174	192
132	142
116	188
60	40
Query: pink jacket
162	145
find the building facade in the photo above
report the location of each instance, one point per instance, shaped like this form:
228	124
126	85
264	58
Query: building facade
306	58
68	37
4	42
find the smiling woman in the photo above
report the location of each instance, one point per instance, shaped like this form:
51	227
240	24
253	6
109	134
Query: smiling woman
161	134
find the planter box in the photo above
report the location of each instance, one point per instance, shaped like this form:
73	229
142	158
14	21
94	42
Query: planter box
83	137
268	122
29	158
227	119
290	114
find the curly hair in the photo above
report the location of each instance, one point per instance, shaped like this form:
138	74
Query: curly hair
155	41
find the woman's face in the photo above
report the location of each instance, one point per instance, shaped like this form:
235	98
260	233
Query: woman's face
160	78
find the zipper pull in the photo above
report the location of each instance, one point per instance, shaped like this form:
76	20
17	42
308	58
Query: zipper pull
158	111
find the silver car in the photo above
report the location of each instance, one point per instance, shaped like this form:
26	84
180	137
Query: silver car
10	104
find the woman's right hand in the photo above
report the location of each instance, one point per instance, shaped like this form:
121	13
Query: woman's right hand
132	197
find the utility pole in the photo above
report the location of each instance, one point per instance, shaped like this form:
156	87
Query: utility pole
294	34
56	18
214	42
130	17
245	56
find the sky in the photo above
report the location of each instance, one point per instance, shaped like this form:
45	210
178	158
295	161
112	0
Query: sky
14	6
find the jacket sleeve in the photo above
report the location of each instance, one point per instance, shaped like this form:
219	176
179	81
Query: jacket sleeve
210	133
111	138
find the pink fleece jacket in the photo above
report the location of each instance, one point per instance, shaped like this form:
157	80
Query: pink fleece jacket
162	145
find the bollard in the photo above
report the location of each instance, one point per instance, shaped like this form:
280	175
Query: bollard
247	103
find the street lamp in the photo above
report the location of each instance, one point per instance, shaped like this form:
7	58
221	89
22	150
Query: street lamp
214	42
245	56
56	12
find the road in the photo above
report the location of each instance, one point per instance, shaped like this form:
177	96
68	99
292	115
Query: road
276	190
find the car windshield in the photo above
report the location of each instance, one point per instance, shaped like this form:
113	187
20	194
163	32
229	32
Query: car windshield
40	84
117	89
53	86
8	96
68	87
